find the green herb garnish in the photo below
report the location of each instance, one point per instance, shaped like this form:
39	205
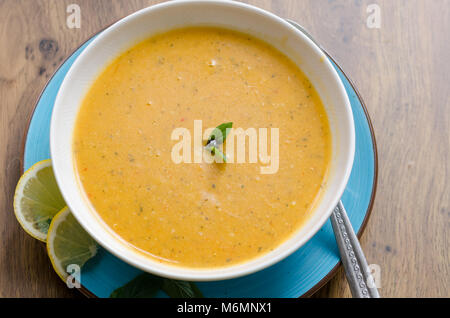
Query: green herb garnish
219	134
181	289
217	137
142	286
147	285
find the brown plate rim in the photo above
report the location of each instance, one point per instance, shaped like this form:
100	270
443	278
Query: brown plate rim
334	270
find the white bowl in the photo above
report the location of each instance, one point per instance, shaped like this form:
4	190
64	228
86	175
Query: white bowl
170	15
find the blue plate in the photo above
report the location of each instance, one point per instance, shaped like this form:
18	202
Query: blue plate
300	274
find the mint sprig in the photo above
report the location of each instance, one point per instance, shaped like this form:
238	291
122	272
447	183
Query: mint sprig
142	286
219	134
217	137
147	285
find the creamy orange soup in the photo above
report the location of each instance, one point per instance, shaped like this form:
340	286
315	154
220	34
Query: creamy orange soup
200	215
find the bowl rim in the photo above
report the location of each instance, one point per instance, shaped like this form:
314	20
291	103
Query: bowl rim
210	274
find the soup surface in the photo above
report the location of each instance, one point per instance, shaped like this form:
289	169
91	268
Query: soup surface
200	215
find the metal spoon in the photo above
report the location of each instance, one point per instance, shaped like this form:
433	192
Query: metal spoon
359	277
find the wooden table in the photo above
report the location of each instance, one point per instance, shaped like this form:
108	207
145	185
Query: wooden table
401	70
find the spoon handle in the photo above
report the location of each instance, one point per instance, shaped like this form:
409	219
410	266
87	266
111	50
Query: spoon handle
357	271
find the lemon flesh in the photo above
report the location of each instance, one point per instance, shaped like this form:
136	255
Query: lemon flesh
37	199
68	243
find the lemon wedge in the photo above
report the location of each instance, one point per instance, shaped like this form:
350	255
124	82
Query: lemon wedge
68	243
37	199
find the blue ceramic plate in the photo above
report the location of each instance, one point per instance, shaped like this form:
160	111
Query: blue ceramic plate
300	274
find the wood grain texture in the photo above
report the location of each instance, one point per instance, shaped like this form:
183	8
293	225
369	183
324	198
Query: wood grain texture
401	71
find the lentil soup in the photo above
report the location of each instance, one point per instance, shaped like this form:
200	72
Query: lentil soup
200	215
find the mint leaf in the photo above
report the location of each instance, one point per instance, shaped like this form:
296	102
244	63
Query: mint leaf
217	137
180	289
147	285
196	290
142	286
219	134
216	152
